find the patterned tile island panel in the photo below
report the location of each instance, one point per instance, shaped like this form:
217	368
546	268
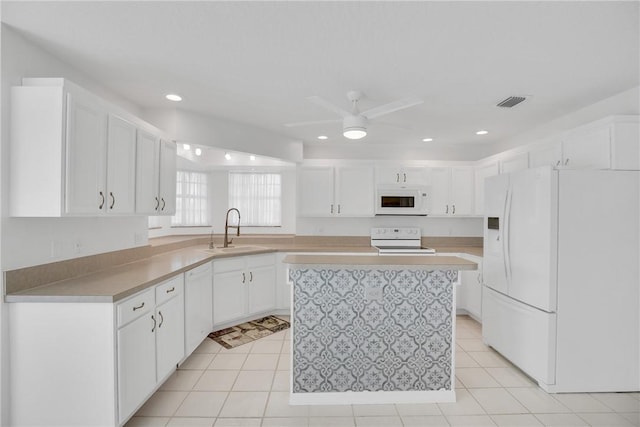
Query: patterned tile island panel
371	329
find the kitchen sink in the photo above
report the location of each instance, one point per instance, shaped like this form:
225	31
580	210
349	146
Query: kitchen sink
236	249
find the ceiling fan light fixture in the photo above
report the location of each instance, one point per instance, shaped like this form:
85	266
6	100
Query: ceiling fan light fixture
354	132
354	127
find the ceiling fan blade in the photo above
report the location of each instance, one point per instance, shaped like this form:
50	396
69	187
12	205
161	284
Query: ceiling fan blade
392	125
381	110
329	106
312	122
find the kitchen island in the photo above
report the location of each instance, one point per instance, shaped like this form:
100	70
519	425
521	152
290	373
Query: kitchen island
371	329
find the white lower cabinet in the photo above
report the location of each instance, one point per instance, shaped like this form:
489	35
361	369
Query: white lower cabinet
469	291
150	342
243	286
283	285
136	352
471	288
198	305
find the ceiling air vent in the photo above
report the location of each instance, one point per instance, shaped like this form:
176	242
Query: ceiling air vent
511	101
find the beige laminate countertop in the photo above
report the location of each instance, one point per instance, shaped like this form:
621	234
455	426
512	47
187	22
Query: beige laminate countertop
423	262
114	284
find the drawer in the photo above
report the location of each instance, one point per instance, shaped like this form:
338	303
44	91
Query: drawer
199	271
265	260
229	264
135	307
169	289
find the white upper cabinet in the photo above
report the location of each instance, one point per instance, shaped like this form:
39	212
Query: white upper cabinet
121	166
611	143
400	175
354	191
85	149
588	149
315	191
451	191
514	163
72	154
481	173
341	191
546	155
167	178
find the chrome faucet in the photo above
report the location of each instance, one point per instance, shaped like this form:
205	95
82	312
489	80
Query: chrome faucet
227	226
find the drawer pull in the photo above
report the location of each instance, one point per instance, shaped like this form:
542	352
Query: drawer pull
138	307
171	290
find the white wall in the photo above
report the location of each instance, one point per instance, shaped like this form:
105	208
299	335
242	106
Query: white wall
31	241
198	129
466	227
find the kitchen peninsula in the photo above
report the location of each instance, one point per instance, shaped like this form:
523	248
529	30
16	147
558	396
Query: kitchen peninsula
373	329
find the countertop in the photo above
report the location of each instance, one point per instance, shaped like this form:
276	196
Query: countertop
423	262
119	282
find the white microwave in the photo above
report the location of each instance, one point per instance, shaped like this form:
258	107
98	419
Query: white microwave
406	200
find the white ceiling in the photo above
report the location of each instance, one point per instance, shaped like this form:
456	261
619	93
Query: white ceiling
256	62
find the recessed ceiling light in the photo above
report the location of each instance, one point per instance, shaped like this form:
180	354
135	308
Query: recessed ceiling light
427	139
173	97
323	137
227	156
482	132
252	157
186	146
198	151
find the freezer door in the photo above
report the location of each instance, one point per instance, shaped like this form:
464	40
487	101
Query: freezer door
531	237
495	197
524	335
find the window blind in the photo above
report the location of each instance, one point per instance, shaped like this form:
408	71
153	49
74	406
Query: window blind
191	199
258	198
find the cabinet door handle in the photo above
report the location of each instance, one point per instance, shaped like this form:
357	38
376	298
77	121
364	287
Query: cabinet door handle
454	209
244	278
163	204
154	323
558	163
338	208
157	203
161	319
331	208
113	200
405	177
138	307
566	162
397	177
447	211
102	201
171	290
251	276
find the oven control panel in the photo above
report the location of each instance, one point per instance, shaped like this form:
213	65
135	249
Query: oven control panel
393	233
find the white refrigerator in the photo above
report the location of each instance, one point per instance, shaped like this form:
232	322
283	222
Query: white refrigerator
561	276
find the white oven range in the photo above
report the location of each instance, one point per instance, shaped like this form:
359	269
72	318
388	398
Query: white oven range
399	241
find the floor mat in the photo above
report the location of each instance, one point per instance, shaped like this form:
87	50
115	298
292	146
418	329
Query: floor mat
248	331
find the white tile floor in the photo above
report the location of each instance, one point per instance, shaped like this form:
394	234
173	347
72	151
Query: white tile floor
248	386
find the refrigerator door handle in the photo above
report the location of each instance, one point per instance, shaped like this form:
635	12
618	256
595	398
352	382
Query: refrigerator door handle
506	236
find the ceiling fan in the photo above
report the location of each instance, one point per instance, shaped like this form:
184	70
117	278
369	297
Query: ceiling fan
354	123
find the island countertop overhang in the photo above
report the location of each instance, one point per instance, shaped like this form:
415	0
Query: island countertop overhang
429	262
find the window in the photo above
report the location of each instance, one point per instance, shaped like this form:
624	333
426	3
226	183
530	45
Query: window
258	198
191	200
